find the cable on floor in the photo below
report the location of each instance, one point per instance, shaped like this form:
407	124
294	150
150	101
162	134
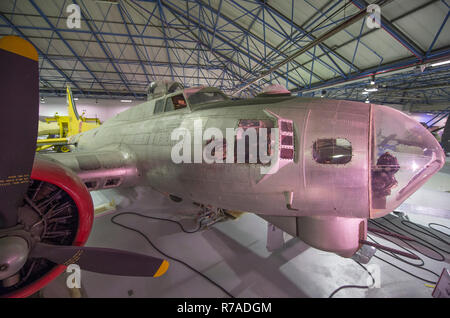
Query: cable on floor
354	286
417	240
402	269
408	243
162	252
425	231
441	225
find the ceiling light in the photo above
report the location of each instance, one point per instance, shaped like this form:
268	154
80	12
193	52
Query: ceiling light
441	63
371	89
365	93
126	100
76	98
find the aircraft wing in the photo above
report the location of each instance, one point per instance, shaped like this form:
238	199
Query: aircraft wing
100	169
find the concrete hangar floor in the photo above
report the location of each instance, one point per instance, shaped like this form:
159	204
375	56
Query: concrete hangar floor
233	253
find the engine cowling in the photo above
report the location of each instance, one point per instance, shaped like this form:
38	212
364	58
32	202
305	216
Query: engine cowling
57	193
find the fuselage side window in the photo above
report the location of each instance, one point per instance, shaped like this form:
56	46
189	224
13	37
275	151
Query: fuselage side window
332	151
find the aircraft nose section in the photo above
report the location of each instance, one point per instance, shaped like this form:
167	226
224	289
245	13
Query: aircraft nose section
404	155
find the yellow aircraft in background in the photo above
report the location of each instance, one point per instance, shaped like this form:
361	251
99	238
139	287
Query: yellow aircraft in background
64	127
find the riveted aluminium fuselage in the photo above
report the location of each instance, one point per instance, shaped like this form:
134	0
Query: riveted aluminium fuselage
317	189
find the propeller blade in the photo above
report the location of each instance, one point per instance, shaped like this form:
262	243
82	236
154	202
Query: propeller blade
19	91
446	136
102	260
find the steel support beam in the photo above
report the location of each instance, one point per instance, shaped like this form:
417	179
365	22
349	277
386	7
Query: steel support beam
197	40
394	32
397	66
438	33
103	48
100	33
163	20
179	14
41	53
66	43
230	42
119	7
261	41
327	51
310	45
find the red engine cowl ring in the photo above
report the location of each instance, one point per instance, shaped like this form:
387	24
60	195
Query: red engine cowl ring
50	172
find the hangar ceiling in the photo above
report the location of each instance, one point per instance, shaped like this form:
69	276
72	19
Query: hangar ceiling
123	45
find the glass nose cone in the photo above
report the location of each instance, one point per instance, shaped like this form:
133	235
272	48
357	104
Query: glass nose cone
404	155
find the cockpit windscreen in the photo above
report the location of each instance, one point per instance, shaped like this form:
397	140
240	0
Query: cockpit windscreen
203	97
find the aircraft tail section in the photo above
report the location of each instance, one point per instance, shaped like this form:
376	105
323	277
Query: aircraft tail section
72	108
76	123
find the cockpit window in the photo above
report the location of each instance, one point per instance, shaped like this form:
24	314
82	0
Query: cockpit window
159	106
178	101
332	151
202	97
169	105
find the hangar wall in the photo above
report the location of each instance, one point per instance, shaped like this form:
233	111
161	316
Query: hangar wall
100	108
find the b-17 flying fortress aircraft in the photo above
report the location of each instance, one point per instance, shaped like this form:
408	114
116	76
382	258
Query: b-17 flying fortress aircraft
315	168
